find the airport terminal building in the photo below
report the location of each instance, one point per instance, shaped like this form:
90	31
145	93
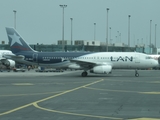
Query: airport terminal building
88	45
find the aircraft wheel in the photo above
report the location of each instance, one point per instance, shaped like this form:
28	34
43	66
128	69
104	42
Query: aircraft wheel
84	74
137	75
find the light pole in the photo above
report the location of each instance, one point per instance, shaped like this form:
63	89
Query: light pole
155	34
71	31
142	41
94	32
110	35
129	30
116	39
118	36
107	32
63	6
150	36
14	18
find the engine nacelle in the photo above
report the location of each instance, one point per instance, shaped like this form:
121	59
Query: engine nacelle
9	63
104	69
74	66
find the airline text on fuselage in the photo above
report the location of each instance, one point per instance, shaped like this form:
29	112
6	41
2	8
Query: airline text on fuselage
120	58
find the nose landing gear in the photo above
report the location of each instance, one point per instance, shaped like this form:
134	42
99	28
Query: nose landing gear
136	73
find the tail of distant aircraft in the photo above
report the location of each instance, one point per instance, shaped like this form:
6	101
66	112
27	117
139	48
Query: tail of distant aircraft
16	42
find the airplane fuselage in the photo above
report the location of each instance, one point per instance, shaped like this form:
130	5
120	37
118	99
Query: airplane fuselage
4	52
7	62
61	59
49	59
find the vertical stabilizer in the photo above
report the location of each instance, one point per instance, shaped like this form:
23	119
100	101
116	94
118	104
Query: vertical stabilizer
16	42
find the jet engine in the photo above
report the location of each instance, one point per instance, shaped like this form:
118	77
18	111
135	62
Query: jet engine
104	69
8	63
74	66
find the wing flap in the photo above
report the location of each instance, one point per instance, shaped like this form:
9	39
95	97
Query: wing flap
14	57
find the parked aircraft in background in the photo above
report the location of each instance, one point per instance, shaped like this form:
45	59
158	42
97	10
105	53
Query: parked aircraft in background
6	62
156	57
98	63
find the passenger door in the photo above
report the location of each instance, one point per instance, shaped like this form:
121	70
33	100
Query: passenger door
137	58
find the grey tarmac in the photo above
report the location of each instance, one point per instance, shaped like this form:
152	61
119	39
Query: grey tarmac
68	96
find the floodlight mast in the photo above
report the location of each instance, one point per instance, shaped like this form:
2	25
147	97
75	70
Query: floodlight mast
63	6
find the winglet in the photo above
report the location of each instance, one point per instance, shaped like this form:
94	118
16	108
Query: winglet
16	42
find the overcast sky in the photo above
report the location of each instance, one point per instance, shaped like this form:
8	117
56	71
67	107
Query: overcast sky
40	21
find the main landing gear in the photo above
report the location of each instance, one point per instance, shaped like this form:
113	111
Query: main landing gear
136	73
84	74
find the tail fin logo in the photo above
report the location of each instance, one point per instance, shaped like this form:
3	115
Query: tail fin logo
15	39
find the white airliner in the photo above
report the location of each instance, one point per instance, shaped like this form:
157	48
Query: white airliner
6	62
98	63
104	62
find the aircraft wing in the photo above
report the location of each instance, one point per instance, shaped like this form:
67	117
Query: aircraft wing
14	57
87	64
